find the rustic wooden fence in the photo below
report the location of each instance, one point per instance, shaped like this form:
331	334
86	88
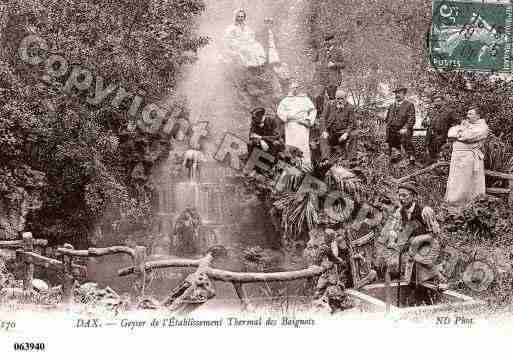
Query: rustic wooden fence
237	279
137	254
28	254
491	190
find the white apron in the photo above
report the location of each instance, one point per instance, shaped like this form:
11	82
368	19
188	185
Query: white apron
298	113
467	174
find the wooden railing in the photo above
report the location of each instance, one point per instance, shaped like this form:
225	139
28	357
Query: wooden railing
137	254
237	279
492	190
27	255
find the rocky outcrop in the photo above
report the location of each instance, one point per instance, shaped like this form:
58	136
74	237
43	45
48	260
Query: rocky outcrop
263	87
17	202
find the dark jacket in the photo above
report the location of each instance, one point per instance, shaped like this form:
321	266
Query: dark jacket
415	221
337	121
441	120
268	130
330	74
399	117
335	55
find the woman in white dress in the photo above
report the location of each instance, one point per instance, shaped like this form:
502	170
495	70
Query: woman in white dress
467	175
240	43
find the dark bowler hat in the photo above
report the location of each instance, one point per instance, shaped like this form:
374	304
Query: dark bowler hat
258	112
410	186
400	88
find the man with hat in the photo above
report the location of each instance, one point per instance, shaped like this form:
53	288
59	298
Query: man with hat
337	127
400	120
263	133
418	228
411	210
329	62
332	61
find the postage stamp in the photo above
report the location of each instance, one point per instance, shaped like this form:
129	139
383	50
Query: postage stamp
471	35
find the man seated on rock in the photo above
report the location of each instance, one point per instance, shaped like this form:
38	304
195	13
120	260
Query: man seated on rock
337	126
264	133
417	236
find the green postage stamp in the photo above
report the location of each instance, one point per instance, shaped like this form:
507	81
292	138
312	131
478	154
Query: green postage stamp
471	35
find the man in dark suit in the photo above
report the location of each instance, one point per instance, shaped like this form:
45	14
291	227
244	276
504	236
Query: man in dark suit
331	62
441	118
264	132
326	95
337	127
400	120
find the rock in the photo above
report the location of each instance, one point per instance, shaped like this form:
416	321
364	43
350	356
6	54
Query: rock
254	91
88	287
282	71
138	173
341	173
11	293
7	255
40	285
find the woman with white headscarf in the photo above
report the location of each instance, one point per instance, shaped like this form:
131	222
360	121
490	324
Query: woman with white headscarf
241	44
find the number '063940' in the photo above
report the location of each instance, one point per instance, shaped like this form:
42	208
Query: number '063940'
29	346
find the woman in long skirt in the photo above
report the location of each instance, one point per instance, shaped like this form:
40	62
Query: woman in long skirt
466	176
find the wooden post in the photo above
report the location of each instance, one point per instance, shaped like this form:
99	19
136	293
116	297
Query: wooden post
68	279
510	196
28	246
139	260
241	293
351	256
388	293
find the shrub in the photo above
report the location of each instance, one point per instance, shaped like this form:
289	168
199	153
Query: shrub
486	218
88	160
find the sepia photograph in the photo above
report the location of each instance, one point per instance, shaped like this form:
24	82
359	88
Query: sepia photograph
191	177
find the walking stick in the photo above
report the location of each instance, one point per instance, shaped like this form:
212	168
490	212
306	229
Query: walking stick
387	289
400	275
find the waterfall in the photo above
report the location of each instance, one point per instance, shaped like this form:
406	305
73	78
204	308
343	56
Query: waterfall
213	97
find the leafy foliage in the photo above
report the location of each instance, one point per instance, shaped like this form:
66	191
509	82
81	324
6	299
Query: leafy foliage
486	217
498	155
300	211
385	44
94	169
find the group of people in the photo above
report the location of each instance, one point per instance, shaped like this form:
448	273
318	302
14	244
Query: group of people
466	175
299	115
324	127
241	46
338	134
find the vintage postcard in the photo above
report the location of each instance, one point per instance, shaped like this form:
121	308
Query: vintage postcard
255	178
